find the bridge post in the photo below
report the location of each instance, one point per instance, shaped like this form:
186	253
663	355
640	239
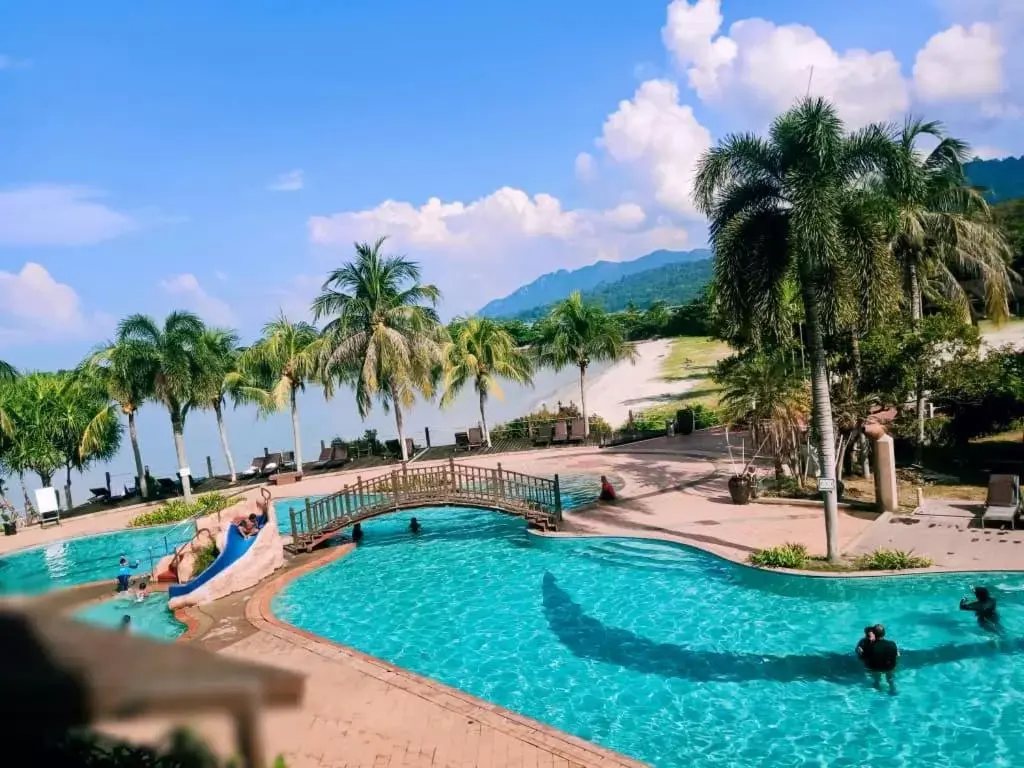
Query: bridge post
309	518
451	472
558	500
501	482
359	491
394	487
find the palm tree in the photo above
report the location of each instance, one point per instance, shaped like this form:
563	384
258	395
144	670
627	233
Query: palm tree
941	230
482	351
219	379
577	333
126	369
173	355
783	208
383	335
279	366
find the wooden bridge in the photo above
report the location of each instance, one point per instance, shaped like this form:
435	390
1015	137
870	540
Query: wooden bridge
536	499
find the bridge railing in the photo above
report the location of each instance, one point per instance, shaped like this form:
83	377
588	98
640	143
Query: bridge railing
449	483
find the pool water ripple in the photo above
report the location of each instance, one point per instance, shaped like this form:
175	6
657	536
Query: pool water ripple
672	656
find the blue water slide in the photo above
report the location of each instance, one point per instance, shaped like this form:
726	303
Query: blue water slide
234	549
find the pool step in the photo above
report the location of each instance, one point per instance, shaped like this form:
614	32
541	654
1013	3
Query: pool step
633	554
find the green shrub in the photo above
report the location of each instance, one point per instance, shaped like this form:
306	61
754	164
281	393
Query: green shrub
786	556
891	560
204	558
176	510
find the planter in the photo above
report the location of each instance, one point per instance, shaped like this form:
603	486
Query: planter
685	421
739	489
10	529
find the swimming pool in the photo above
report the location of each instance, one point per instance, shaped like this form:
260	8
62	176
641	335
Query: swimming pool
150	617
89	558
673	656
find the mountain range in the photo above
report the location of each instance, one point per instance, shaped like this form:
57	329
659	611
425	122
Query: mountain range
1004	178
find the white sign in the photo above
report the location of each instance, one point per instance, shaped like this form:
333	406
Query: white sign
826	484
46	500
184	471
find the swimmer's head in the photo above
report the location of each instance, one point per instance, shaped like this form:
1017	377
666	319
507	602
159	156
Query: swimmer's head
142	586
126	620
868	631
124	561
879	631
252	517
982	593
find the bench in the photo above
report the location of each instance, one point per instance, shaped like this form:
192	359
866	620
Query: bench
286	478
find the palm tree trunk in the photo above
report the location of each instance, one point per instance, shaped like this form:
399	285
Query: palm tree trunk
67	490
401	430
483	418
178	428
140	472
222	429
916	314
583	400
822	414
296	432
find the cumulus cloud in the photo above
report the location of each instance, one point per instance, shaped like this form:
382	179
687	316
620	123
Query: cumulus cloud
292	181
186	289
960	63
35	307
765	67
58	215
476	251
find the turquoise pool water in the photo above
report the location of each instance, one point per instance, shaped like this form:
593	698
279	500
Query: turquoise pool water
89	558
150	617
672	656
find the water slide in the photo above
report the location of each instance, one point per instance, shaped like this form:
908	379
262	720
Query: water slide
236	546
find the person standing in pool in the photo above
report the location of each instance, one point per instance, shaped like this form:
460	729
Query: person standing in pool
865	643
140	592
357	532
984	606
124	573
880	657
414	525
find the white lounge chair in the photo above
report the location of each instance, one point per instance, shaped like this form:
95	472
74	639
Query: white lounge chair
1002	504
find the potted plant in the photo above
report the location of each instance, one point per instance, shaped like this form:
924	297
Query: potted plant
685	421
743	483
9	517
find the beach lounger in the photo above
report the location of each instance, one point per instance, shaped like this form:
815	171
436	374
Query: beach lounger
288	460
475	436
271	464
1002	505
325	456
255	467
166	486
339	455
541	434
99	495
462	441
577	430
394	448
560	436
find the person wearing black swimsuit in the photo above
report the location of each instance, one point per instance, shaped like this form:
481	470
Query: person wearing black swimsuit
984	606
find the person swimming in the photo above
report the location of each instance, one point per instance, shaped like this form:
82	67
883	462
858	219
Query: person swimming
126	624
414	525
880	656
140	592
357	532
607	490
124	573
984	606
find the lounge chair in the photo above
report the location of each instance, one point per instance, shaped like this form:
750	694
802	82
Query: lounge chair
394	447
99	496
339	455
577	430
272	464
1002	504
542	434
288	460
166	486
325	456
475	436
462	441
560	435
255	467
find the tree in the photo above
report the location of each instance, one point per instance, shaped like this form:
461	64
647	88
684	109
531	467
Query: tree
783	208
577	333
482	352
383	335
279	366
220	378
126	369
173	352
942	231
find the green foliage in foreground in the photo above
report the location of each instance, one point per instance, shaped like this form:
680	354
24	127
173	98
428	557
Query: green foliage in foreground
204	559
786	556
891	560
177	510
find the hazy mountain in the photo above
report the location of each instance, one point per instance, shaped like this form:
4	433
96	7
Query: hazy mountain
554	286
1003	178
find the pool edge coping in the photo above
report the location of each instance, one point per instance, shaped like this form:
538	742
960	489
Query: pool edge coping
259	613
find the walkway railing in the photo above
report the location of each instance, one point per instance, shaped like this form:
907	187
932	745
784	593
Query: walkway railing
536	499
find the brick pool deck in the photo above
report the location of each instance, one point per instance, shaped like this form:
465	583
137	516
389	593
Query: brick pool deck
360	711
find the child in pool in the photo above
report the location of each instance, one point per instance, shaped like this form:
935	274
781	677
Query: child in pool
140	592
124	573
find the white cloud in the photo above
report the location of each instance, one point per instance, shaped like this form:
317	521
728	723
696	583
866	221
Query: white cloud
586	167
34	306
186	288
58	215
508	237
292	181
986	152
661	137
764	67
960	64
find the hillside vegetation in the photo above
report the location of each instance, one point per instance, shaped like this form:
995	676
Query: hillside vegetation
1003	178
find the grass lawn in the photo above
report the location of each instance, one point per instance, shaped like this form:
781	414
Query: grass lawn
690	358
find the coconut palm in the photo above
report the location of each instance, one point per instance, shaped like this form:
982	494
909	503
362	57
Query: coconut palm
941	230
482	352
576	333
126	369
784	208
383	335
218	380
279	366
174	365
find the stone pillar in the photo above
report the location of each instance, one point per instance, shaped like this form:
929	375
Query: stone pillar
886	488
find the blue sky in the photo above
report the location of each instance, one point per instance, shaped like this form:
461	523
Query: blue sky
140	144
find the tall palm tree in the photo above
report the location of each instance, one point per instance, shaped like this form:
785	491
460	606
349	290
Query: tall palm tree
941	230
482	351
577	333
383	335
279	366
173	355
218	380
782	208
126	368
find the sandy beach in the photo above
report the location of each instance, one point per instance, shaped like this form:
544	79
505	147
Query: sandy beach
623	387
